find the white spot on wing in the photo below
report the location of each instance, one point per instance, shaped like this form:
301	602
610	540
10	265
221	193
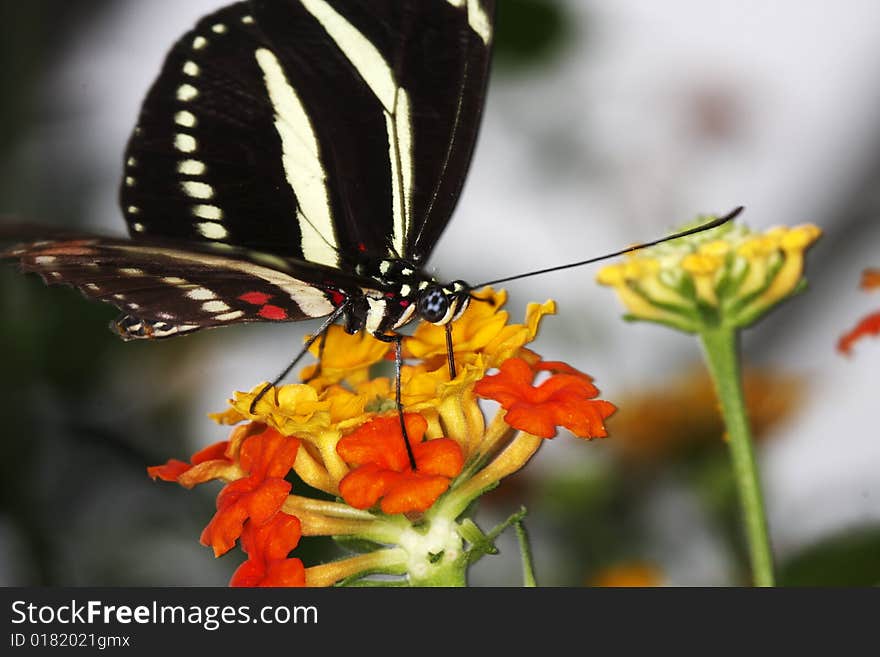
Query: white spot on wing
201	294
191	69
216	306
185	143
219	28
198	189
228	317
186	93
191	168
211	212
212	230
199	42
186	119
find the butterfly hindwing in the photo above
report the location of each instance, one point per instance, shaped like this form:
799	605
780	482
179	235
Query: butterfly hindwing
184	290
312	129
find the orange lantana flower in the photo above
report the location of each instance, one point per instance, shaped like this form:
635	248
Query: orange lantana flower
339	432
266	458
267	547
869	325
383	471
173	469
565	399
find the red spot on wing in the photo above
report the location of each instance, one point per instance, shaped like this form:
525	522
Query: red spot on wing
362	247
272	312
255	298
404	303
337	298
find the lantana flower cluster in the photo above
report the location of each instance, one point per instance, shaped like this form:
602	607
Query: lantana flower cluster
728	276
339	432
714	284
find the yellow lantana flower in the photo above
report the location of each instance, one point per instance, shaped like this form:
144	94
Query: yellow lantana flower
727	276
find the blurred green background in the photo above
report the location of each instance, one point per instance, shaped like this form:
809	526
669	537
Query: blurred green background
607	124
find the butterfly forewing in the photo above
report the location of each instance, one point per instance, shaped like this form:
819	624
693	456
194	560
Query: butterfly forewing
316	129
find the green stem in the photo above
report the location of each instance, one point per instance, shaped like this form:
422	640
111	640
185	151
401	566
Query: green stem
526	552
722	355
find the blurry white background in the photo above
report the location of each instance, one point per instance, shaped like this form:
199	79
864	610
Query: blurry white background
651	114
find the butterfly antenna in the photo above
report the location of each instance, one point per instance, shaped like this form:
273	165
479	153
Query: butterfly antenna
699	229
331	319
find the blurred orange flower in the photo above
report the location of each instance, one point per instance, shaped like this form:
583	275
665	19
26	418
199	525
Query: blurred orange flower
628	575
867	326
682	413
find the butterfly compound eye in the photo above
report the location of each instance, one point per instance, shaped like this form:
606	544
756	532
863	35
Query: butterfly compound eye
433	305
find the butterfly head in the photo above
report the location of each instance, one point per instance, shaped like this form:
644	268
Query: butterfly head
441	304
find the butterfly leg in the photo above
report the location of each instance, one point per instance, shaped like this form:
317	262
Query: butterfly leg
331	319
398	364
450	354
397	339
321	345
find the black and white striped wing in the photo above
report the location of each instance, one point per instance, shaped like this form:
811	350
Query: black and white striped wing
313	129
165	290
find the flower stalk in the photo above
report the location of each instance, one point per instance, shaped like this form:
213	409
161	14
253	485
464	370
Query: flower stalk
721	349
713	284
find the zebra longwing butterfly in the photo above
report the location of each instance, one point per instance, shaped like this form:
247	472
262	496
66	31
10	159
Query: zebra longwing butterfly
294	159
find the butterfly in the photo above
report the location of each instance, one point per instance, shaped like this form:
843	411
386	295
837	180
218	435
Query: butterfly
294	159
